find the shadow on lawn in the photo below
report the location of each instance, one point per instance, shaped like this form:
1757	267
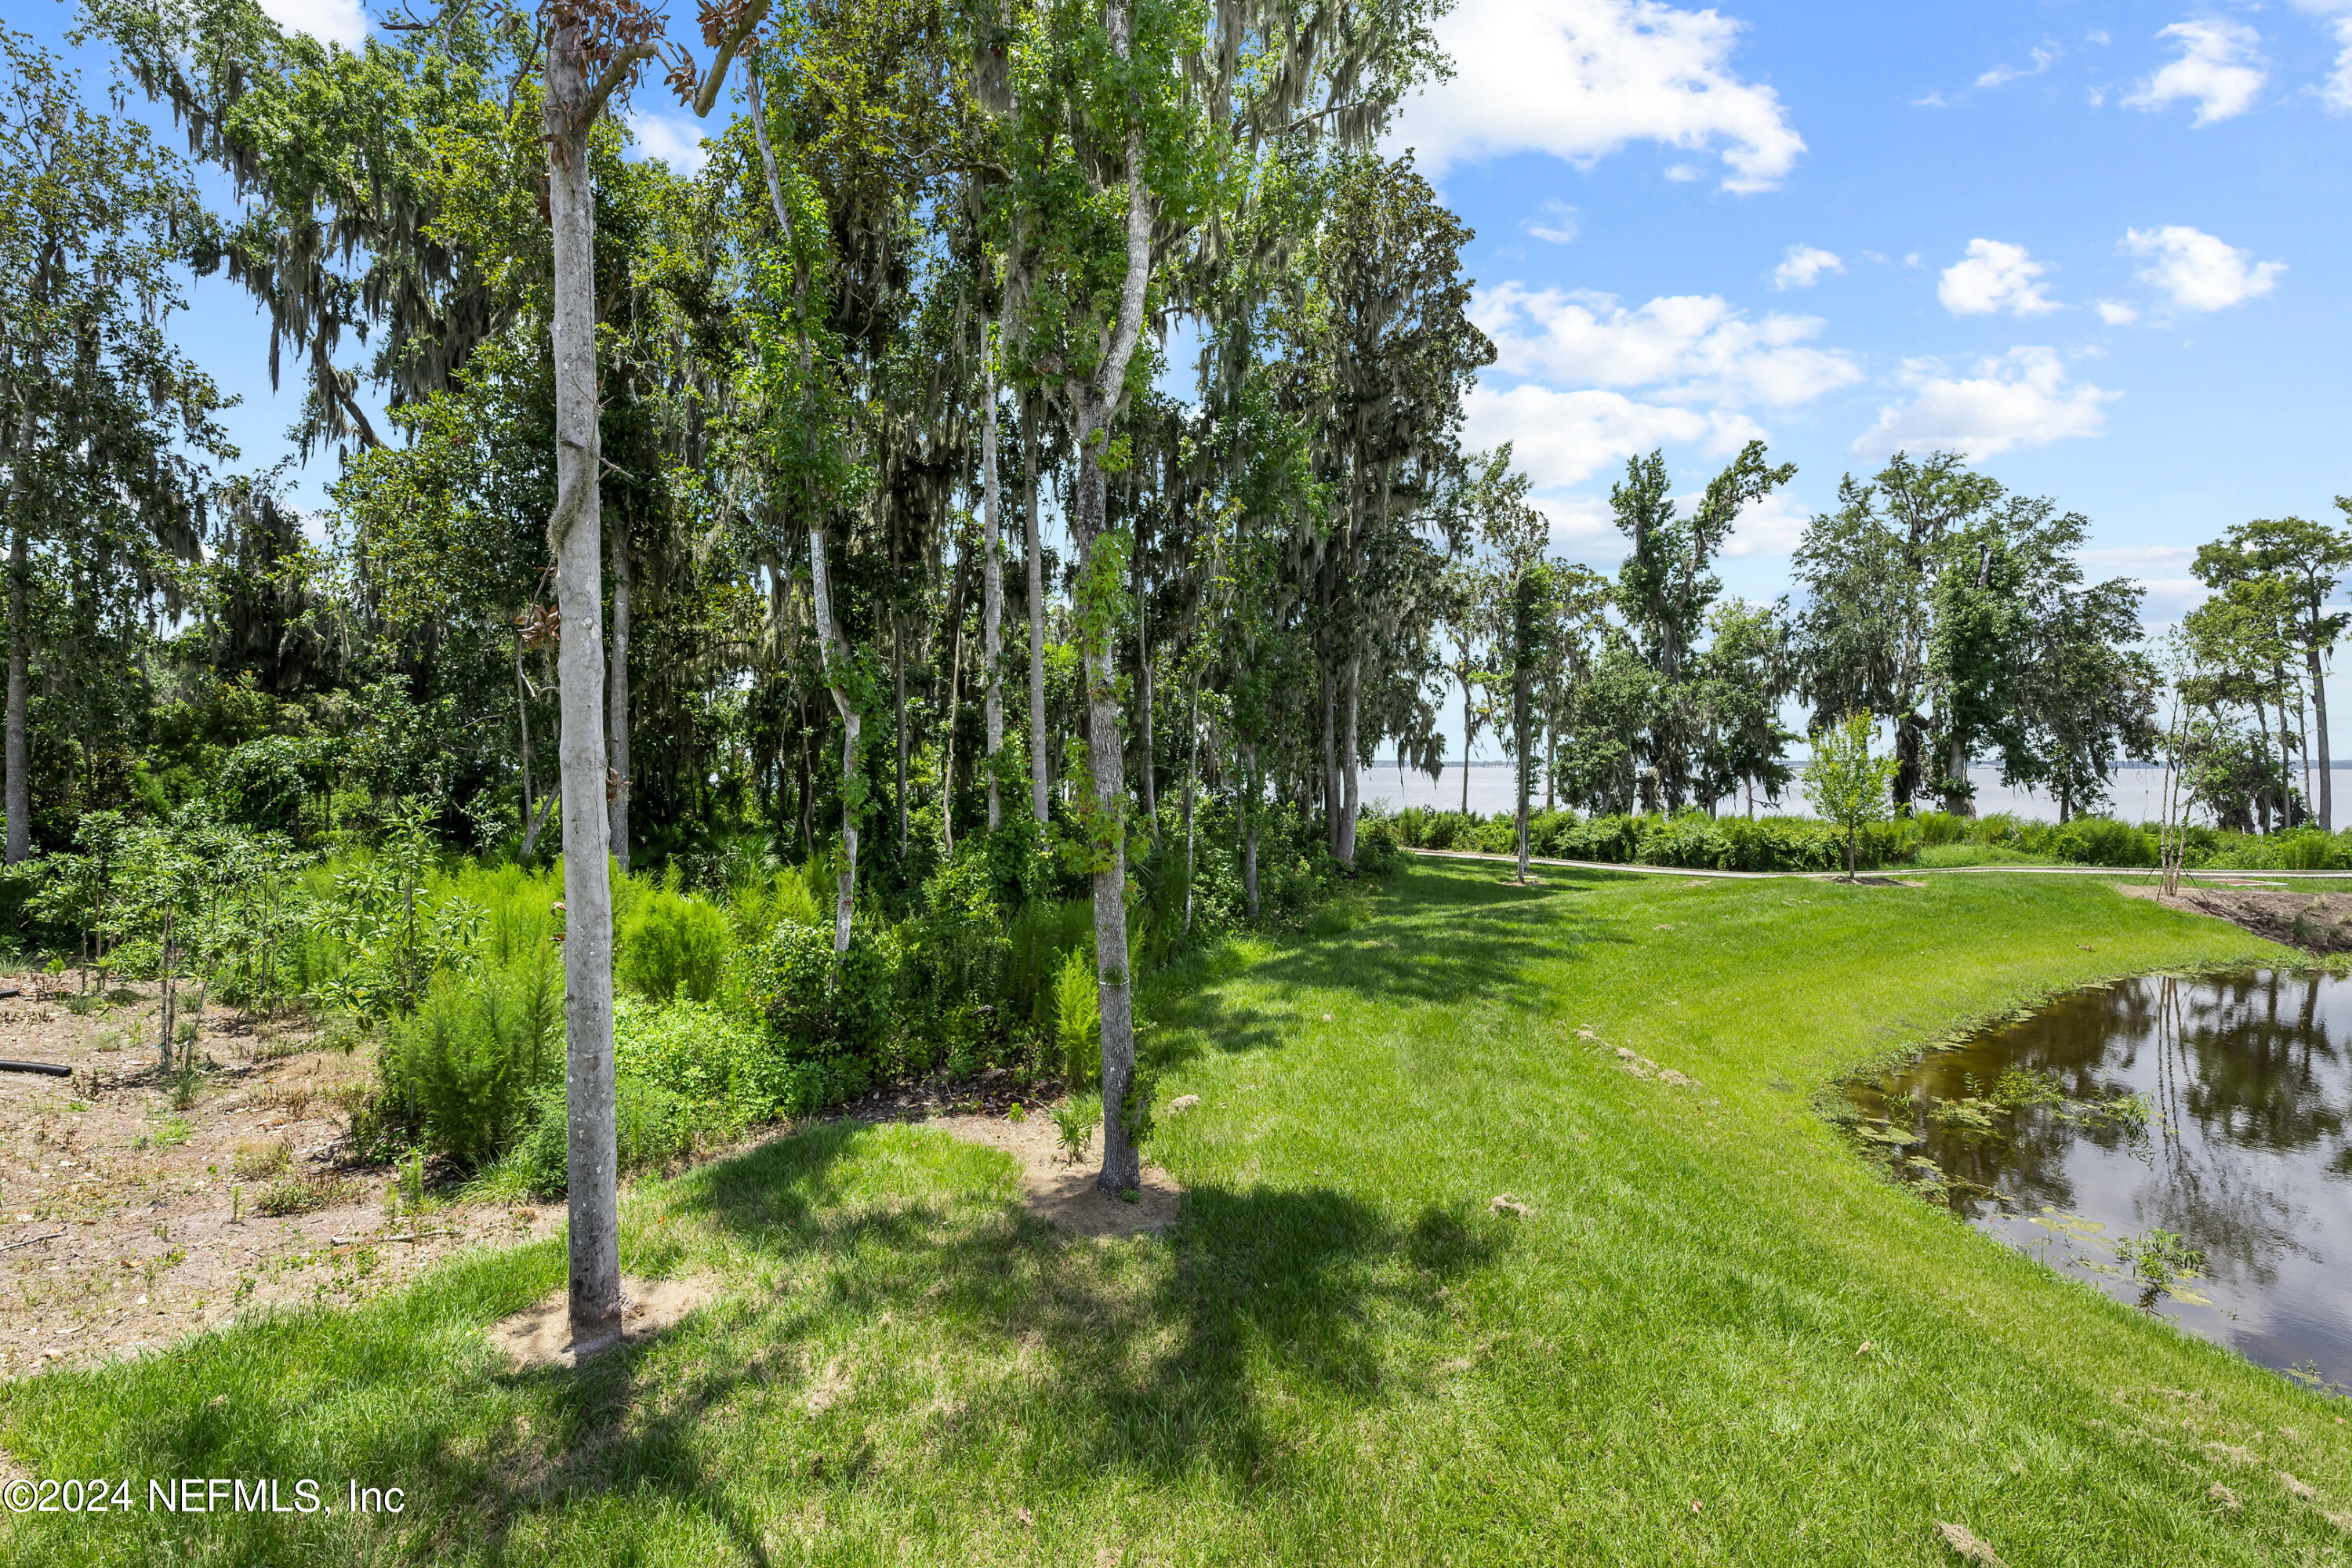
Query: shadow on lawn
1153	1361
1472	939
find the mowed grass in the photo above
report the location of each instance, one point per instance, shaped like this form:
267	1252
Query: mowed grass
1341	1353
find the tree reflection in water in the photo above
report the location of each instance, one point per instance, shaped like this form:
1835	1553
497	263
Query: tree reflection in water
2212	1106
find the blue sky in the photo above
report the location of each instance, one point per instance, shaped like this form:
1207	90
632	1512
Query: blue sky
2099	247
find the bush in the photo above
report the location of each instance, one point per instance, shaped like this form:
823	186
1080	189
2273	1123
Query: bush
819	1009
458	1073
2100	841
672	944
1077	1018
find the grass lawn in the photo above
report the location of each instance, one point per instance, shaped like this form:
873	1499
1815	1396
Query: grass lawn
1341	1353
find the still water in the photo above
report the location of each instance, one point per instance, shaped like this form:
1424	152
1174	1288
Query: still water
2183	1143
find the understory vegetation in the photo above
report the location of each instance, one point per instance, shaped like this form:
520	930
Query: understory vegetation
1776	843
731	1010
1706	1331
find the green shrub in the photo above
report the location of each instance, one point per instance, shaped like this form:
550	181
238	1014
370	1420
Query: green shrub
672	944
457	1072
2100	841
1077	1018
819	1009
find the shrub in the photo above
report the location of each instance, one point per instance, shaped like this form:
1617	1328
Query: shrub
820	1009
672	944
1077	1018
457	1072
2100	841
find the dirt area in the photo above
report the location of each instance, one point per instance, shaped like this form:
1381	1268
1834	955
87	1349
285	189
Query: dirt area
127	1222
1054	1189
2317	922
541	1336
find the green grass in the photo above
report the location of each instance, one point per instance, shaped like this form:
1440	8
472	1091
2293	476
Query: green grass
1340	1354
1948	855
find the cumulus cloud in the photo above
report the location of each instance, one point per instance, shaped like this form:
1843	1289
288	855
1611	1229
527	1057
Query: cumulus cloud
678	143
1993	278
1556	224
2198	270
2022	398
1773	526
1804	267
2218	68
1562	438
329	21
2043	57
1691	348
2118	312
1582	78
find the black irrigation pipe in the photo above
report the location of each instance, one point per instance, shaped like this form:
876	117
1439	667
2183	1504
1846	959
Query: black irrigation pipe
54	1069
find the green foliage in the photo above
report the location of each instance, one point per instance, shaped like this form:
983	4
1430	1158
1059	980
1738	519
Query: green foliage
1077	1017
672	944
822	1009
1074	1121
457	1072
1846	782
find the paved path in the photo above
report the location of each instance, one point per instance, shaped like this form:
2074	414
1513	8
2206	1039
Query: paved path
2142	873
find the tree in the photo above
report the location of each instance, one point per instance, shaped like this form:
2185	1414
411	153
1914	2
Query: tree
104	426
1846	783
2308	560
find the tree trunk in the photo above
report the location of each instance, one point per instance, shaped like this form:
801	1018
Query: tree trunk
574	535
1963	804
1122	1164
836	650
991	591
898	718
19	797
955	691
1330	780
2324	758
1350	786
1519	717
1466	741
1039	778
1246	812
1146	764
616	717
1191	787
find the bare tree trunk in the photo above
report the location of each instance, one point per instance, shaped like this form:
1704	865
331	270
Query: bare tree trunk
1330	759
616	717
1095	402
955	691
2325	758
1350	787
1191	787
991	590
898	718
574	535
1039	802
1963	805
1465	743
1147	764
1519	725
836	650
19	798
1252	787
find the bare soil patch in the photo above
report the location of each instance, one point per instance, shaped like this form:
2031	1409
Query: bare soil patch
155	1234
540	1336
2315	922
1065	1194
979	1111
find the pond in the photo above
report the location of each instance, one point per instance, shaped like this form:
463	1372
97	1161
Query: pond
2182	1142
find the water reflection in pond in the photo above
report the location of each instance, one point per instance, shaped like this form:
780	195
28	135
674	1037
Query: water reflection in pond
2122	1132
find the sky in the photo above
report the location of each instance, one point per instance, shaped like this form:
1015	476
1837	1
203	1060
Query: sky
2098	248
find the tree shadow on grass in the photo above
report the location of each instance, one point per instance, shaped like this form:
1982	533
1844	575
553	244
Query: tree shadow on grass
1151	1357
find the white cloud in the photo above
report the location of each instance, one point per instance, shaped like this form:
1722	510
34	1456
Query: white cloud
1582	78
1773	526
1556	224
2218	68
678	143
329	21
2045	56
2021	398
2200	271
1694	348
1562	438
2337	93
1804	267
2117	313
1995	277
